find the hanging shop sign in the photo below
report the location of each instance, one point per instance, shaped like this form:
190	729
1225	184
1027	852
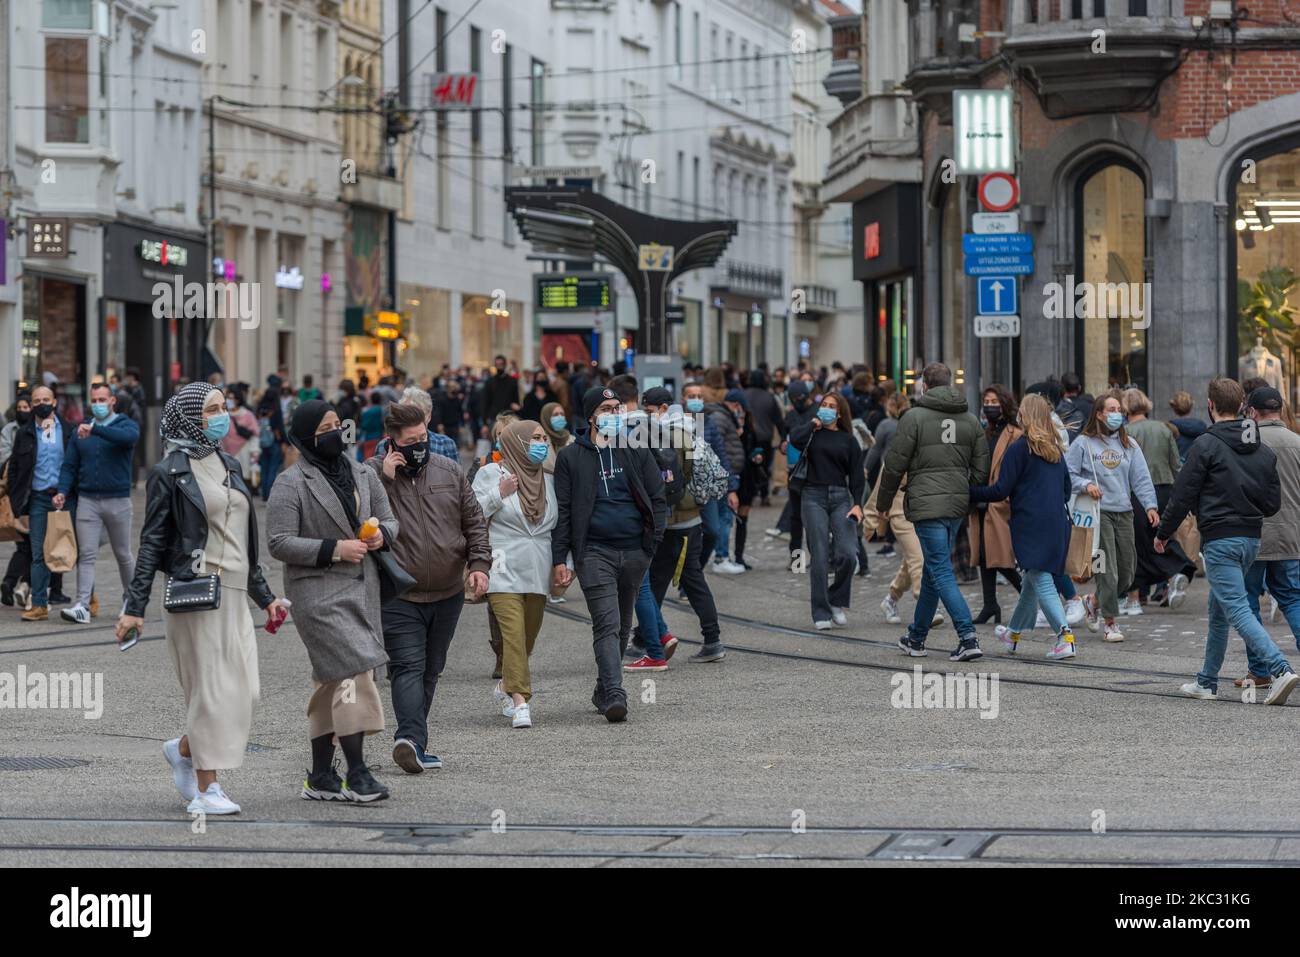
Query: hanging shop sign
983	133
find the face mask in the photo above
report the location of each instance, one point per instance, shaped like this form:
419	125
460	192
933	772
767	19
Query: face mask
1114	420
43	411
416	455
540	384
330	444
99	410
537	451
558	423
694	405
230	404
609	424
827	416
217	427
23	417
992	412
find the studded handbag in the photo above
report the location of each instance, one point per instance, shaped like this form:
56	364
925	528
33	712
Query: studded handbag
192	594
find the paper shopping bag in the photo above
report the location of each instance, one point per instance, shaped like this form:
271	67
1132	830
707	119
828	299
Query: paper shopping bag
60	542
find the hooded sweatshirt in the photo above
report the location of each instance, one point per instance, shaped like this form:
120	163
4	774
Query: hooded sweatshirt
1117	470
1229	480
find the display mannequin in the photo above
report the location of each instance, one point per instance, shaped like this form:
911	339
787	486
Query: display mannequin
1259	363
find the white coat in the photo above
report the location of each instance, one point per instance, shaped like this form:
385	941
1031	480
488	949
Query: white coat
521	551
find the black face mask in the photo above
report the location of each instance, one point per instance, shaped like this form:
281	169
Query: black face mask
992	412
329	445
23	418
43	411
416	455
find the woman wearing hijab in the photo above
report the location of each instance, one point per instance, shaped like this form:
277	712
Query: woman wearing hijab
517	496
316	513
199	521
556	426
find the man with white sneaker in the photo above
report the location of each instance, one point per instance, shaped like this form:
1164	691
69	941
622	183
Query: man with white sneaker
96	471
1230	480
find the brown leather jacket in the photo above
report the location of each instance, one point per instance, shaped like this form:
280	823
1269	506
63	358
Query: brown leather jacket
442	529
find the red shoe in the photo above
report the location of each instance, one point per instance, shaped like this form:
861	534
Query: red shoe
646	663
670	645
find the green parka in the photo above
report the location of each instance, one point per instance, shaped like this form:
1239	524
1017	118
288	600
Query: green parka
941	449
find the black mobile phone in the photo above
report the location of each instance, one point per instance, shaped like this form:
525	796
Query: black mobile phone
132	638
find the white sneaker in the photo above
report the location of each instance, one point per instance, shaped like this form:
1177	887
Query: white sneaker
1091	612
78	613
556	599
522	718
773	532
1111	633
23	595
1194	689
1178	591
212	801
503	701
937	620
1041	620
1073	611
1007	638
727	567
1281	688
823	625
838	616
183	775
1130	607
890	608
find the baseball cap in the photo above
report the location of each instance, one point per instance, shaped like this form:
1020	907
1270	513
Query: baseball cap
1266	399
658	395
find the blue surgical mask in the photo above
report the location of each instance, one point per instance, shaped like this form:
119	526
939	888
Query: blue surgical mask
99	410
609	424
559	422
217	427
827	415
694	405
1114	420
537	451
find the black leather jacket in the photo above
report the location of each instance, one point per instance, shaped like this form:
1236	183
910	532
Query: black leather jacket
176	523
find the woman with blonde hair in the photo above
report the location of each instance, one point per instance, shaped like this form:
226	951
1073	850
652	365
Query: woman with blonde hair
1036	479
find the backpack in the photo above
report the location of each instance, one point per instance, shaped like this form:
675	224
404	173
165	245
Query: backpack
674	480
708	480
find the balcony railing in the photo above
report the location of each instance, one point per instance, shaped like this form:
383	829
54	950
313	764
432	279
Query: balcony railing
750	279
817	298
1049	11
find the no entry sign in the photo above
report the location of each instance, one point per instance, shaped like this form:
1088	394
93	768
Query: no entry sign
998	192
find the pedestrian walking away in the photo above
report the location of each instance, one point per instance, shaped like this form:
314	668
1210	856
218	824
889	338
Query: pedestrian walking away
197	504
942	451
314	526
441	536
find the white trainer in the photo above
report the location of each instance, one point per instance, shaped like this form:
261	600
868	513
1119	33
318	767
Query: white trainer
78	613
838	616
522	717
1194	689
1129	607
1073	611
1281	688
1111	633
1178	590
726	566
823	625
183	775
937	620
212	801
890	608
1041	620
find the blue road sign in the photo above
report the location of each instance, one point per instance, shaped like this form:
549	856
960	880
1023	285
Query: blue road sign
996	243
1012	264
997	295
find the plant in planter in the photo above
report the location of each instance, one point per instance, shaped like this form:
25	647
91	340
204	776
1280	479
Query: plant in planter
1266	313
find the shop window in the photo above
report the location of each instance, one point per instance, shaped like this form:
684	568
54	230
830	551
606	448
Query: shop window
67	90
1267	228
1111	307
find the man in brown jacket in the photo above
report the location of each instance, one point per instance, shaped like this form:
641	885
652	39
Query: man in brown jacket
442	532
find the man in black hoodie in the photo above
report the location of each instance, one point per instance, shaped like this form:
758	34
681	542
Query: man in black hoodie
612	514
1230	481
802	409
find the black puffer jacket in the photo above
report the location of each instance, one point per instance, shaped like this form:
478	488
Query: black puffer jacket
1229	481
176	524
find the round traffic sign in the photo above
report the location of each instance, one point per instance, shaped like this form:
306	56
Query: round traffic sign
998	192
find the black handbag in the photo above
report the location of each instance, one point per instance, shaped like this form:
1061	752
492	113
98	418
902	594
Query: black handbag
394	580
798	476
192	594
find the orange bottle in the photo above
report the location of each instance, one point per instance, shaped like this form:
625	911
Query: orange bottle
369	527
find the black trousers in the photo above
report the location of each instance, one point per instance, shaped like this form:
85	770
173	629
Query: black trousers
1151	568
693	581
416	637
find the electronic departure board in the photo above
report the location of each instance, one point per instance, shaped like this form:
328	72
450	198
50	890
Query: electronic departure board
573	291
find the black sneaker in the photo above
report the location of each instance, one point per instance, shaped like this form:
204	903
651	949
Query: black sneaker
596	702
967	650
362	787
634	650
58	598
6	594
616	710
912	647
406	755
713	652
324	786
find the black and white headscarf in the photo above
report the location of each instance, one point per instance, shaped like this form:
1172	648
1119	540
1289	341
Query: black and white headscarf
182	421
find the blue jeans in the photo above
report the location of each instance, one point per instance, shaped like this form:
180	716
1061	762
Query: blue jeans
649	620
1227	562
1282	578
39	507
725	517
938	584
1038	589
832	538
271	460
709	519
